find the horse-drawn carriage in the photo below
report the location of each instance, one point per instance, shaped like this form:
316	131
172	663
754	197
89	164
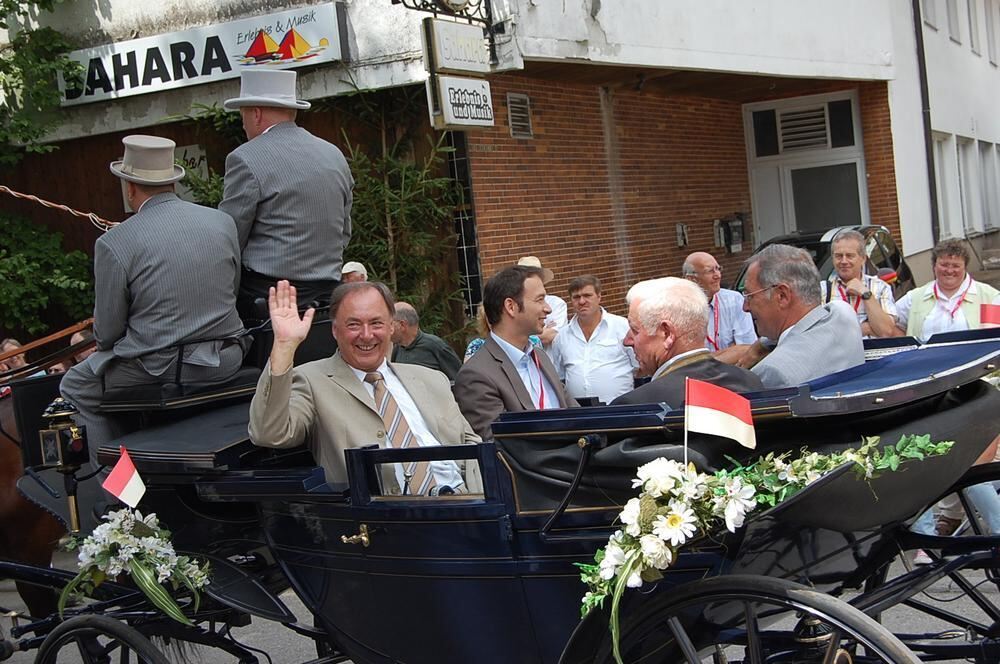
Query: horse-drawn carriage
490	577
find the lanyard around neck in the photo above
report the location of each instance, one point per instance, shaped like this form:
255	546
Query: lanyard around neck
714	340
937	298
847	298
541	386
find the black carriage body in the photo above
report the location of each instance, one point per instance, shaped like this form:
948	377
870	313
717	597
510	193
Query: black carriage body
481	578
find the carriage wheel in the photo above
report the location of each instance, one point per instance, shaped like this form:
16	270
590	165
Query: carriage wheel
97	640
752	619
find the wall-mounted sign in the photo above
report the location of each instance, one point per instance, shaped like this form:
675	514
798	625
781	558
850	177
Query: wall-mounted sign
304	36
454	48
459	103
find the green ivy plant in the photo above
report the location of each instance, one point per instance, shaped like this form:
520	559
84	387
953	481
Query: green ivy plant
29	65
43	284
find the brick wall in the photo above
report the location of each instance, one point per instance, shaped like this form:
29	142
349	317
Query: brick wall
679	160
674	160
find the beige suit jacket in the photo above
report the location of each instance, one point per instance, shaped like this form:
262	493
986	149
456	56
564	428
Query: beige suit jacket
323	404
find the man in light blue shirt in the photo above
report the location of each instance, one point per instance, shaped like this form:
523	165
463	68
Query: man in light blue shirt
728	324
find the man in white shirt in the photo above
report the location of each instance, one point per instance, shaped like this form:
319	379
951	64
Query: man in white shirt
870	297
557	317
728	324
588	353
340	402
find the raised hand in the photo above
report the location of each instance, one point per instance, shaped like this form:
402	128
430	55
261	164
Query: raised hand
289	329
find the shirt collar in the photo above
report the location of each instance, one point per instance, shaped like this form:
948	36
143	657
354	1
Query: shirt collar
666	365
967	285
382	369
513	352
575	323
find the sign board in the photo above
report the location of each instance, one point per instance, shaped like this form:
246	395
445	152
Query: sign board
304	36
459	103
454	48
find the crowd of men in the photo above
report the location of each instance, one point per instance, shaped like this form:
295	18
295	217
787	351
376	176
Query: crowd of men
178	284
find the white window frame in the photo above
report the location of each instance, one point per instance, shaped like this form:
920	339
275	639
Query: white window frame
988	185
973	10
990	7
929	10
954	27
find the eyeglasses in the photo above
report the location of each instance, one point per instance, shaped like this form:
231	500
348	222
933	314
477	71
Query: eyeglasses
710	270
747	296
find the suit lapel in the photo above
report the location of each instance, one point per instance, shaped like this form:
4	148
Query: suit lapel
510	371
342	375
550	374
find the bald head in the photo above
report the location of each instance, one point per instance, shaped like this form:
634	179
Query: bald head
702	268
405	324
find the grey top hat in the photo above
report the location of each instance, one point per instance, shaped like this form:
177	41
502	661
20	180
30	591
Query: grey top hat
148	160
266	87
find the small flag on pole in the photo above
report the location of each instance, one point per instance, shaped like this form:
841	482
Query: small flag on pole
989	314
124	482
717	411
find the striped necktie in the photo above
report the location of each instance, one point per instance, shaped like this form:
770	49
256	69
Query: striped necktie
417	478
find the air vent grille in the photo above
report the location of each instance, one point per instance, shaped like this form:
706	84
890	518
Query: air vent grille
519	115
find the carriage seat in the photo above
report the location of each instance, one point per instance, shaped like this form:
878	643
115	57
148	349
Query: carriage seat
170	396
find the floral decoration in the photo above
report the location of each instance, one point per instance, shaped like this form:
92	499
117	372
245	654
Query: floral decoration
130	543
677	504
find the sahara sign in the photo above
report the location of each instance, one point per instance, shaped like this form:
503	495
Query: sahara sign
304	36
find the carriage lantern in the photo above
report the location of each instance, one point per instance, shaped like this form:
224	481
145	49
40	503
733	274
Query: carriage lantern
64	443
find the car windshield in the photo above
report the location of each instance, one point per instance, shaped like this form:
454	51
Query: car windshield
820	252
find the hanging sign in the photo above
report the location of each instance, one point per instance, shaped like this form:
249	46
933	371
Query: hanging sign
304	36
454	48
459	103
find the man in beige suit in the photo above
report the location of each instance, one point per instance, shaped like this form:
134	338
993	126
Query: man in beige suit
331	403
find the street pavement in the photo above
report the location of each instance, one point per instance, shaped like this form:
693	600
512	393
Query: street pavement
285	647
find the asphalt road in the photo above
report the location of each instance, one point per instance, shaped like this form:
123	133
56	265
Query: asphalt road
286	647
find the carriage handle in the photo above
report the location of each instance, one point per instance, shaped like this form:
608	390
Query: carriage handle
587	443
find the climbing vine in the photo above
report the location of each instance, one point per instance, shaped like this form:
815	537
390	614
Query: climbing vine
30	63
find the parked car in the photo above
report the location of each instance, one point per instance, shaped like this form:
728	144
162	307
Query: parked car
884	257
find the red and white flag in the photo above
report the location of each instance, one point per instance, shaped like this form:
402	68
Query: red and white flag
717	411
124	482
989	314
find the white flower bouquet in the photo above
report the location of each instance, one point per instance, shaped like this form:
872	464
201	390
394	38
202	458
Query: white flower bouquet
130	543
676	504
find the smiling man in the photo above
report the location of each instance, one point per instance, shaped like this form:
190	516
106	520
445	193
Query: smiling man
870	297
810	339
728	324
667	320
356	397
507	374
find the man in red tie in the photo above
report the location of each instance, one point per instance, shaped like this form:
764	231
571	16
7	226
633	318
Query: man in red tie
356	398
509	374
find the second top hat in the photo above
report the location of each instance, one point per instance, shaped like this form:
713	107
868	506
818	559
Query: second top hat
266	87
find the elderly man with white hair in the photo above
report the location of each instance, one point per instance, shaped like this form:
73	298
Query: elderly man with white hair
667	321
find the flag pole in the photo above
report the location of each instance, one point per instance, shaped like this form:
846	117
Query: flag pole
687	380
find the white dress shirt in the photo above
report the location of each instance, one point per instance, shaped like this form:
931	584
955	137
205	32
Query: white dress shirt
446	473
732	326
940	319
533	379
557	318
597	367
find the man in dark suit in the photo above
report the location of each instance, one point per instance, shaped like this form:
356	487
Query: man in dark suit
289	193
667	321
508	374
167	277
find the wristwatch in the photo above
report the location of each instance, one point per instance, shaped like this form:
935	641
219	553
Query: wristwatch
867	295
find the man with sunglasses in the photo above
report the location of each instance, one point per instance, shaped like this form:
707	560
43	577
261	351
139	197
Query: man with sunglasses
809	339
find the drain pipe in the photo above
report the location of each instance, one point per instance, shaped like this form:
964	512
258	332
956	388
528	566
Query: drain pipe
925	110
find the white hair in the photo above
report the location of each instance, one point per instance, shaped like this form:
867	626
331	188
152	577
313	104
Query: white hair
679	301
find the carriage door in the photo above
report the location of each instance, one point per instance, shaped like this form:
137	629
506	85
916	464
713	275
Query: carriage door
806	163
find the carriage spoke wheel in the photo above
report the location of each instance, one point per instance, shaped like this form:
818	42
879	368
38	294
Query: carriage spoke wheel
97	640
751	620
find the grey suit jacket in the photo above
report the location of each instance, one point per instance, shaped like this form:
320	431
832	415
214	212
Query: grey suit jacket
323	403
824	341
165	277
488	384
290	194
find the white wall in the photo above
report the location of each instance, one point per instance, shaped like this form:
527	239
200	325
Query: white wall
812	38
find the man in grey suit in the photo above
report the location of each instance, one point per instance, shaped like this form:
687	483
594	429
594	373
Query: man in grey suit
667	321
334	403
809	339
508	374
289	193
164	279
